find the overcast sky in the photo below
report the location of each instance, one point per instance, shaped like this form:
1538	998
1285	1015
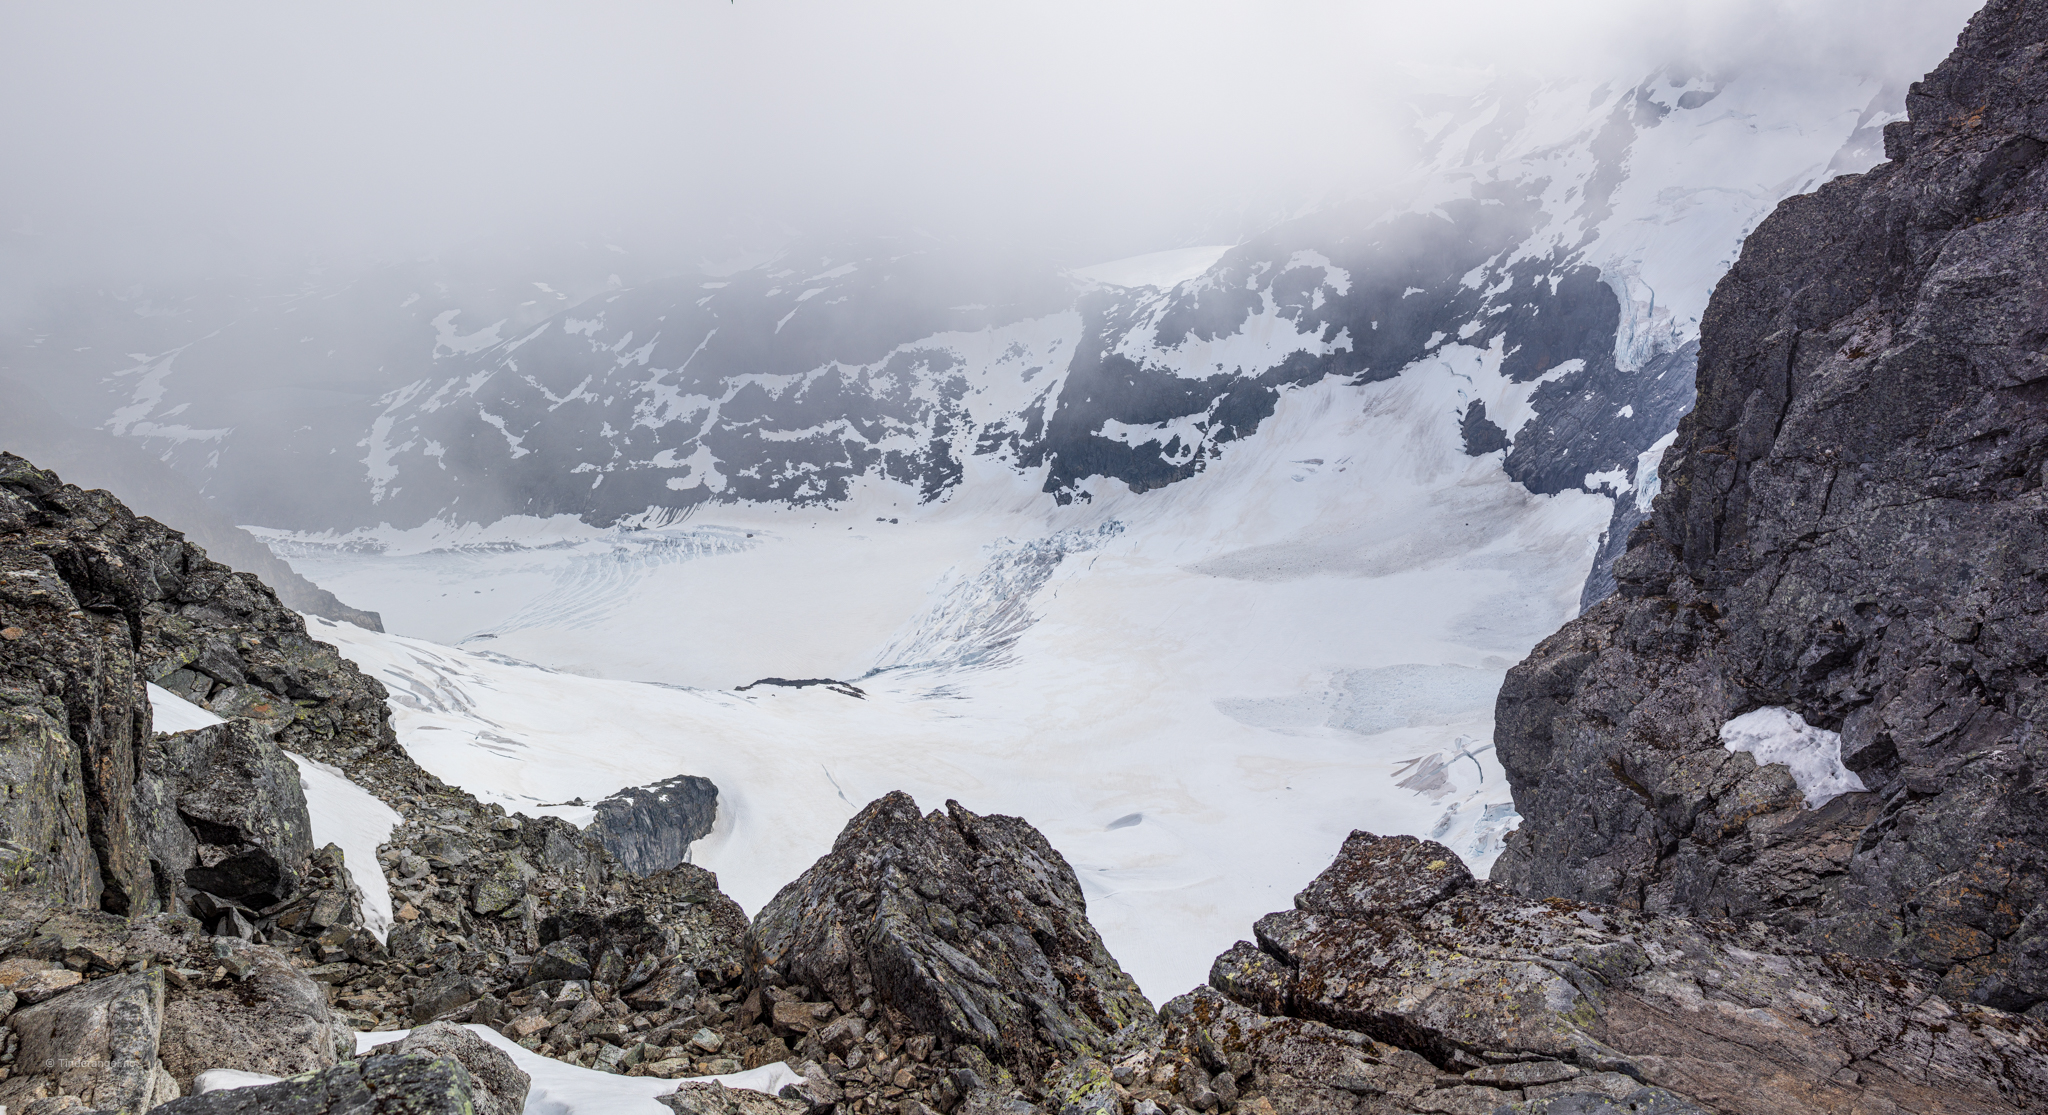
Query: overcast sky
176	135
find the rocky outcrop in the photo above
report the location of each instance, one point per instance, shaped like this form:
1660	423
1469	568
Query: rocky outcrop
496	1083
501	920
122	1013
386	1083
967	928
1852	526
93	603
650	828
224	813
1398	983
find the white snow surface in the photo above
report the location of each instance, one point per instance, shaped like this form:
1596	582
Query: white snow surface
1813	755
220	1080
1302	640
560	1088
169	712
346	814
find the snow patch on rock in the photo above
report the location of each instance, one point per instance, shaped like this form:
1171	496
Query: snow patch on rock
1813	755
560	1088
346	814
169	712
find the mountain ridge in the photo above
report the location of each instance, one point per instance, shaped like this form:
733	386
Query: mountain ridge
1846	530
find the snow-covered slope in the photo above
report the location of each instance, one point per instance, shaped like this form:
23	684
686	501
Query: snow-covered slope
1581	227
1195	692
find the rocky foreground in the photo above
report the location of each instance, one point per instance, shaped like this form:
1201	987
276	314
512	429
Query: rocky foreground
167	914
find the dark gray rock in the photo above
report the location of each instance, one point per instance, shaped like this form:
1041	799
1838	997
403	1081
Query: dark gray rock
385	1083
650	828
561	960
972	929
1852	525
232	818
445	992
712	1098
1480	1000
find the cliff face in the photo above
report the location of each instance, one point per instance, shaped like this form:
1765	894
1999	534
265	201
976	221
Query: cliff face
1853	525
94	602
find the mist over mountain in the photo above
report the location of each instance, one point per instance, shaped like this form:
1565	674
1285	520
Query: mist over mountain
1168	424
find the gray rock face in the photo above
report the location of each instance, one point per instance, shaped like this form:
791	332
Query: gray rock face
233	822
77	714
650	828
95	601
1376	994
388	1084
250	1008
496	1083
971	929
1852	525
98	1043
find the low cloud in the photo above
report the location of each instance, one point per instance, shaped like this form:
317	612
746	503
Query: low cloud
202	136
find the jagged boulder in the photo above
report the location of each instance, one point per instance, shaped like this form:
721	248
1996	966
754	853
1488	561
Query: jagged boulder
98	1043
1852	525
650	828
971	929
224	813
497	1084
386	1083
1400	984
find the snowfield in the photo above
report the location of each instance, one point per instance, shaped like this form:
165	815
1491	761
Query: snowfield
1196	693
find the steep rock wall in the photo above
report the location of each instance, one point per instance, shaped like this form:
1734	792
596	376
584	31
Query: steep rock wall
1853	525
